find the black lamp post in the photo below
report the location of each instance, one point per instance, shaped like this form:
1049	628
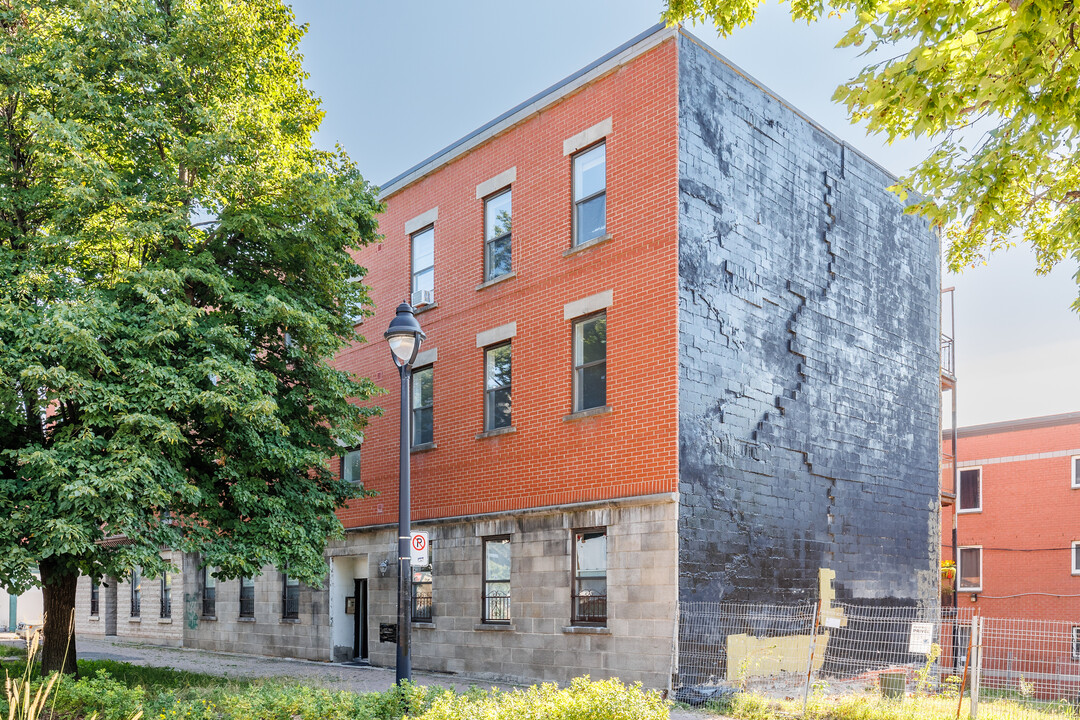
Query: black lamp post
405	338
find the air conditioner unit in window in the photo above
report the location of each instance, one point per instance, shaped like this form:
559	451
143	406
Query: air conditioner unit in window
423	297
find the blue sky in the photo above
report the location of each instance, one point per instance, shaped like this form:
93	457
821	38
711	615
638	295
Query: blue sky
400	81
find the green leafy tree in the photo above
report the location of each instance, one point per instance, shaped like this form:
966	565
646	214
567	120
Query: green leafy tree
174	276
995	84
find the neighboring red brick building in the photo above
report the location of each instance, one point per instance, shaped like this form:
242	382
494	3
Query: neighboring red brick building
1017	508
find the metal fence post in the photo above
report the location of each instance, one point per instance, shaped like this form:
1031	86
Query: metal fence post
810	657
976	666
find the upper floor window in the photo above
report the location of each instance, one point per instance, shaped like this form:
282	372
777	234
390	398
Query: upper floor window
497	224
290	597
496	579
590	362
423	266
970	495
247	597
166	594
350	466
497	371
136	592
209	594
1076	558
589	602
1075	461
969	569
590	194
423	406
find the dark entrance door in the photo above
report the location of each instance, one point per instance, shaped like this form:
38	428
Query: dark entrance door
360	651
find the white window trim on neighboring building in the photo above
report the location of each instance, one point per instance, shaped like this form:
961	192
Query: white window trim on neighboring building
1074	466
959	475
960	569
1072	558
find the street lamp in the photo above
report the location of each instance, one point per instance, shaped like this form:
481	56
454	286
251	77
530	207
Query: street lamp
405	338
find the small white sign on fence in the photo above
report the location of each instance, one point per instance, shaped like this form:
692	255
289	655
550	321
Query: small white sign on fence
922	635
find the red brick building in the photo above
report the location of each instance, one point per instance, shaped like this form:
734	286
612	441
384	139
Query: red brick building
682	345
1016	517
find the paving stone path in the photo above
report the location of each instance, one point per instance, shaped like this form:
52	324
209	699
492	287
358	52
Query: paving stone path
333	676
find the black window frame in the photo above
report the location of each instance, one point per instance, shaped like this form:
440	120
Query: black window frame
136	592
95	598
597	604
247	599
486	595
415	411
358	481
1076	642
506	236
290	597
963	496
491	393
209	592
577	203
579	364
415	273
422	604
165	609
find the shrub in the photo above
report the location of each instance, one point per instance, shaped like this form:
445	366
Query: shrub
583	700
102	694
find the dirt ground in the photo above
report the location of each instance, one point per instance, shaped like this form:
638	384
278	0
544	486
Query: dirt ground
334	676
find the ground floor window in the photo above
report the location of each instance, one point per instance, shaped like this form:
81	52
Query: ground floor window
290	597
589	599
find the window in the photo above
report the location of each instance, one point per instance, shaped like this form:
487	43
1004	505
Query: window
589	601
166	594
496	580
590	194
1075	460
970	490
970	570
590	362
1076	558
1076	643
136	592
423	262
95	595
497	222
421	593
209	593
350	466
290	597
423	400
247	597
497	387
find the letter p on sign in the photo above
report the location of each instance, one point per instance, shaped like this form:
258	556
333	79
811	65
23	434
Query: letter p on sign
418	549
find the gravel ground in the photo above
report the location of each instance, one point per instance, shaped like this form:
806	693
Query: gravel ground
335	676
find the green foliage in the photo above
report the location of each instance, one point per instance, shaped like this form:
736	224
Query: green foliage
101	694
992	82
582	700
175	277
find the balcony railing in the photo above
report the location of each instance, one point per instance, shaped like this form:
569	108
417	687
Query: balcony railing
166	604
948	356
497	608
590	609
421	608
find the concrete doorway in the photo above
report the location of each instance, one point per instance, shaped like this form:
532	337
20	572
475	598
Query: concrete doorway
348	607
108	600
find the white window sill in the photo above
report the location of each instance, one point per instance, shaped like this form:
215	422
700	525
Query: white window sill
423	625
586	630
591	412
495	281
135	619
94	618
245	618
496	432
425	308
211	618
165	621
588	245
423	447
969	512
290	621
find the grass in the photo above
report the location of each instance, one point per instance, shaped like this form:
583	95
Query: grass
872	706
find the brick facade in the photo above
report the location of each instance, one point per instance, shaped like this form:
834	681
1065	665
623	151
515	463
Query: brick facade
1026	521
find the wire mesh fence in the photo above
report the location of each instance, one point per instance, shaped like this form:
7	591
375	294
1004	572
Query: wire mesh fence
947	662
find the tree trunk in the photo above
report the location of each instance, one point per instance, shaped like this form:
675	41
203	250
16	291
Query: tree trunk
58	582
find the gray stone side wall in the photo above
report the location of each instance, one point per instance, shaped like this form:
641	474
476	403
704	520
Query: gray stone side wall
267	633
809	327
540	643
148	626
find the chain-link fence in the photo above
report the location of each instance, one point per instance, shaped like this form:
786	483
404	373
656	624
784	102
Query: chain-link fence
984	667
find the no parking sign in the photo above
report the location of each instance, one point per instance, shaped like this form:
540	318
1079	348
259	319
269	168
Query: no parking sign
418	549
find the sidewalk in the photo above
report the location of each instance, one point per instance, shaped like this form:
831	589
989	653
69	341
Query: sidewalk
333	676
